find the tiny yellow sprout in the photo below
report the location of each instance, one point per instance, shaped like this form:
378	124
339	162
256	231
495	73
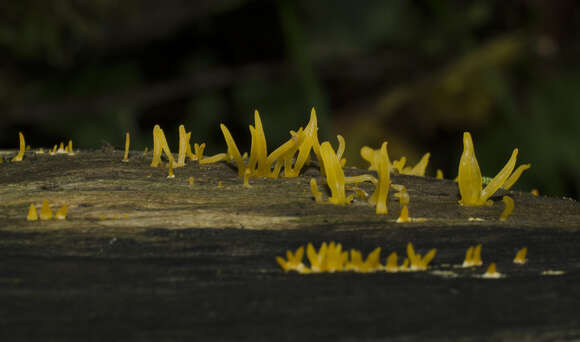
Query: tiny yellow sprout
191	181
473	256
220	185
439	174
40	151
316	259
417	170
171	175
535	192
392	265
314	189
61	148
379	197
293	262
470	180
509	207
233	151
45	212
32	215
404	216
246	178
309	143
127	143
371	264
515	176
20	154
417	262
405	265
69	148
491	272
403	195
61	213
199	151
521	256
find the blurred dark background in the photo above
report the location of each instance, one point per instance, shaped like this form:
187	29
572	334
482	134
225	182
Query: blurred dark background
414	73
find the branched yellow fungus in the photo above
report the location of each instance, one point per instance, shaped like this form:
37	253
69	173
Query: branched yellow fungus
491	272
371	264
469	177
199	151
314	189
417	170
160	146
61	213
418	263
191	181
391	265
127	143
32	215
404	216
45	211
379	197
398	165
509	207
309	143
329	258
521	256
473	257
439	174
21	150
293	261
171	174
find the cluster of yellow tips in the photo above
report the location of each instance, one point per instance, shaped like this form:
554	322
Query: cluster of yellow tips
46	212
473	257
521	256
509	207
470	180
404	203
332	258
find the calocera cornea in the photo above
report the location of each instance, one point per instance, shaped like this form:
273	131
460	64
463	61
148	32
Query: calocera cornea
160	146
32	214
491	272
509	207
473	257
45	211
21	150
127	145
61	212
520	257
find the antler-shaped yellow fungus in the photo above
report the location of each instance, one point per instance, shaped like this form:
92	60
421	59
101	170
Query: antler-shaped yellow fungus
417	262
61	213
379	197
310	142
199	151
418	169
469	177
45	212
515	176
314	189
491	272
233	152
509	207
473	257
127	144
21	150
184	146
160	146
391	265
521	256
32	215
293	262
334	174
371	264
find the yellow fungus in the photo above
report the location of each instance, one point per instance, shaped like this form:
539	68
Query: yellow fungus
403	196
439	174
309	142
469	177
379	197
220	185
199	151
535	192
246	179
171	175
418	169
418	263
491	272
127	143
69	148
391	265
45	211
145	150
233	152
473	256
468	261
40	151
509	207
521	256
61	213
184	138
405	265
191	181
399	165
53	151
32	215
214	159
293	261
404	216
515	176
334	174
61	148
27	147
314	189
160	146
22	148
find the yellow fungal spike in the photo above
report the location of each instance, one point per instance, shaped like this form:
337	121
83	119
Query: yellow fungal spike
160	146
22	148
500	178
220	185
233	151
411	254
171	175
419	169
259	151
199	151
53	151
515	176
40	151
27	147
468	262
286	151
372	263
191	180
405	265
183	143
246	178
509	207
428	258
127	144
69	148
334	174
61	148
521	256
310	134
214	159
317	259
32	215
391	265
61	213
404	216
314	189
381	193
469	177
341	147
439	174
491	271
535	192
45	212
403	196
399	165
293	262
146	150
476	260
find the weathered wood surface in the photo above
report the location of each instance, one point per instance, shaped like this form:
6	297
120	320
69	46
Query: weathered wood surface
144	257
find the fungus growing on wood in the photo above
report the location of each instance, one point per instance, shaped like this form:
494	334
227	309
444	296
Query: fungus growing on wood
521	256
69	148
160	146
293	261
379	197
246	179
191	181
418	169
32	215
509	207
491	272
535	192
404	215
418	263
214	159
391	265
513	178
184	138
61	148
314	189
61	213
371	264
45	211
171	174
199	151
473	257
334	174
21	150
53	151
469	177
439	174
127	143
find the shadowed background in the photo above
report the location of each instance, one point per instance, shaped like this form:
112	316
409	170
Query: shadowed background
414	73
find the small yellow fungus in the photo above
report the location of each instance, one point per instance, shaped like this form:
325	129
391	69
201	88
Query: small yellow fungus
27	148
360	193
199	151
233	151
53	151
379	197
61	148
521	256
40	151
417	170
334	174
405	265
214	159
293	261
220	185
391	265
491	272
535	192
127	143
20	154
160	146
371	264
398	165
470	180
509	207
309	143
329	258
145	150
439	174
61	213
69	148
404	216
171	174
314	189
418	263
403	195
515	176
32	215
473	257
184	138
191	181
45	211
246	178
